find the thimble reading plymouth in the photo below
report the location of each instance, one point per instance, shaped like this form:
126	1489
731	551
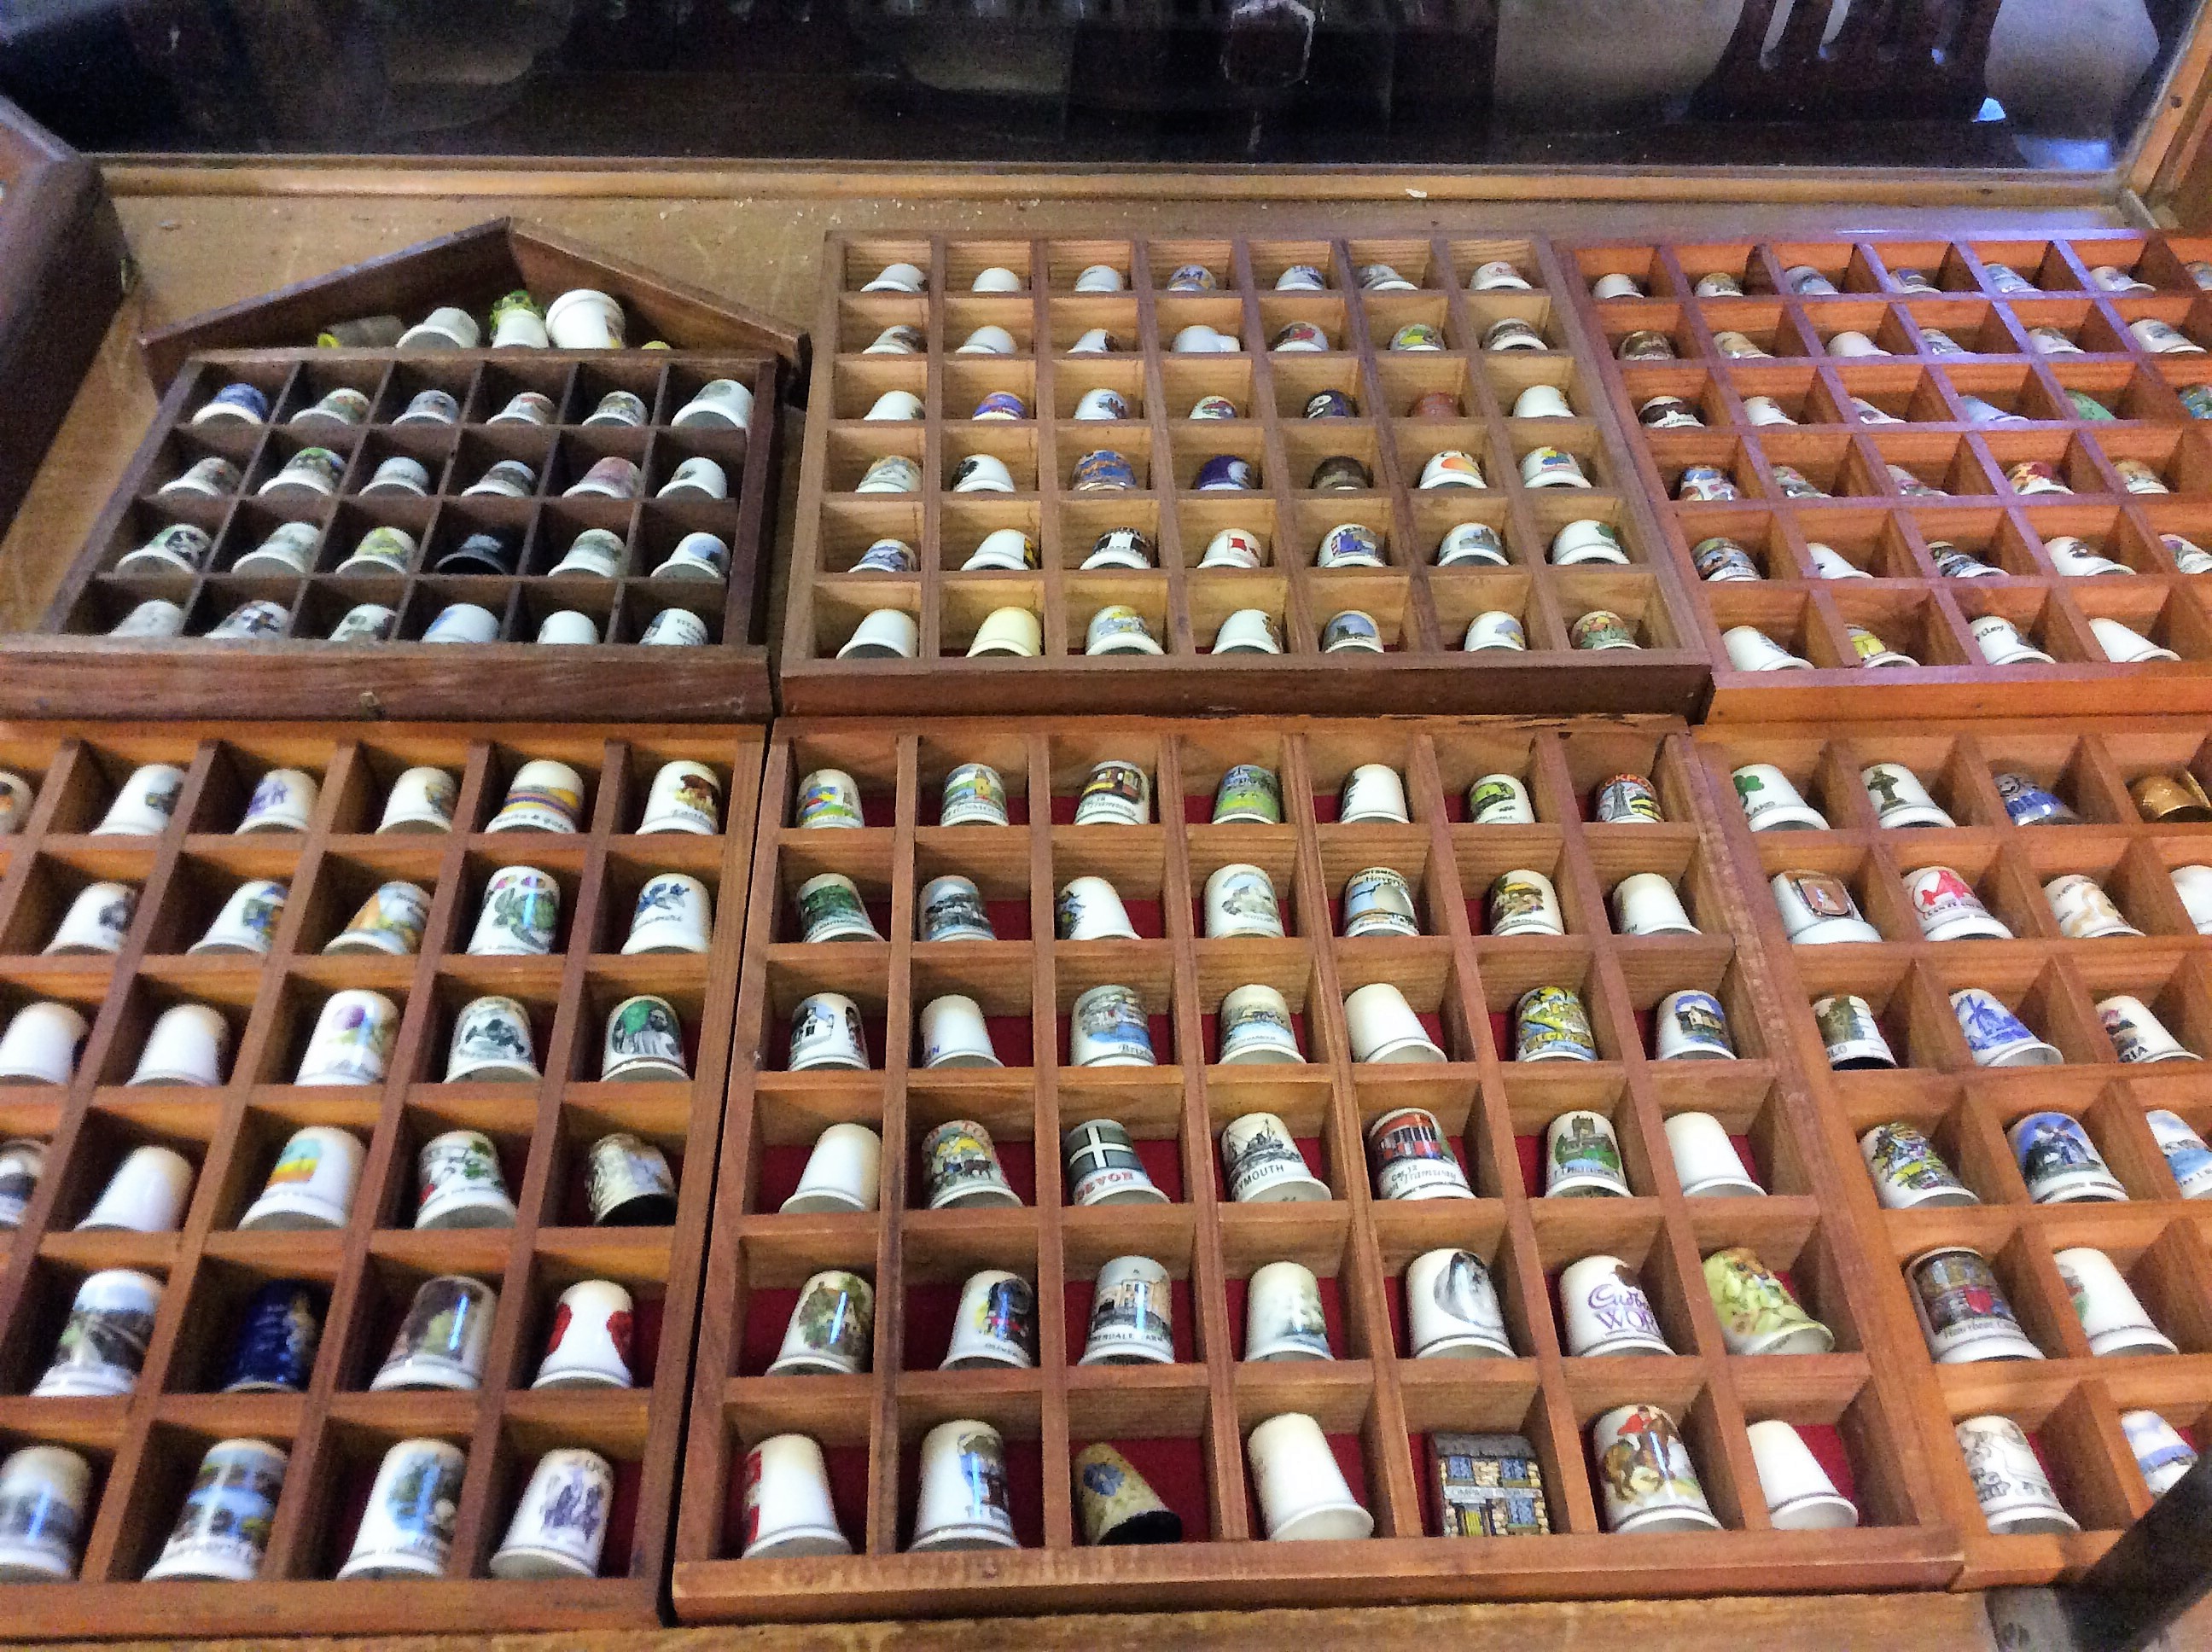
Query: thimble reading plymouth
1116	1505
1909	1172
2007	1477
1758	1312
1413	1158
1131	1315
1963	1314
1261	1163
961	1169
1451	1308
1104	1166
832	1328
1550	1025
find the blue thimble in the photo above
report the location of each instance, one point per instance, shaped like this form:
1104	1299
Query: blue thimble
1227	472
1104	471
275	1351
2029	805
1331	404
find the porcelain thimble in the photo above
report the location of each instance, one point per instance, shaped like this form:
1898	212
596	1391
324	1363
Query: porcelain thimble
1963	1312
994	1327
787	1510
1499	800
520	916
421	800
1645	903
1523	902
278	1333
1105	1167
2113	1317
2008	1480
2160	1451
407	1529
2184	1150
1706	1163
1800	1496
1582	1157
1995	1035
247	922
45	1494
492	1043
826	1032
1284	1319
2060	1164
222	1532
1759	1313
460	1183
352	1040
1384	1028
23	1163
1302	1492
142	805
1240	903
686	797
2083	910
145	1195
2193	883
97	922
1090	909
588	1344
1550	1023
1605	1310
674	914
445	1338
842	1173
832	1332
1908	1171
974	795
1261	1163
1647	1479
964	1502
102	1348
1131	1315
1412	1157
41	1043
1108	1027
954	1034
1771	803
951	908
312	1184
627	1182
1254	1026
961	1169
1691	1025
560	1525
283	800
1372	793
1899	797
1379	900
1817	909
1451	1308
2136	1033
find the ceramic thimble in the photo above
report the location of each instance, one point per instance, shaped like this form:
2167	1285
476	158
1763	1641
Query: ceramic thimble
2193	883
1582	1157
1090	909
492	1043
1800	1497
546	795
1524	902
1606	1310
1996	1036
445	1338
144	803
1115	1504
1284	1319
1691	1025
312	1184
1706	1161
842	1172
2160	1451
674	914
1644	1473
684	797
588	1344
963	1501
1373	794
974	795
1302	1492
1379	900
584	318
223	1529
1899	797
40	1044
23	1162
2186	1155
247	922
2083	910
45	1494
1963	1312
352	1040
145	1195
1104	1166
954	1034
1240	903
407	1529
1115	793
560	1525
1412	1157
2060	1164
2137	1034
1908	1171
460	1184
1384	1028
1645	903
994	1327
1254	1025
97	920
390	922
951	909
1551	1024
1500	801
2008	1477
961	1169
826	1032
521	914
1261	1163
422	799
644	1041
2113	1317
1247	795
787	1510
1108	1027
1771	803
627	1182
1131	1315
1451	1308
1758	1311
274	1352
102	1348
827	797
1851	1036
1817	909
832	1332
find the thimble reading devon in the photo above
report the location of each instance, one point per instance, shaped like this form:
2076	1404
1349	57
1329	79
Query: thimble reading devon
2137	1034
1373	794
407	1529
1131	1315
492	1043
146	1195
1644	1473
2160	1451
2008	1480
1582	1157
1550	1025
1817	909
41	1043
589	1345
461	1184
965	1501
103	1342
787	1511
188	1045
1107	1027
1606	1311
1283	1315
312	1184
1116	1505
1771	802
1963	1313
278	1332
1800	1496
1706	1161
1412	1157
954	1034
843	1173
1907	1170
960	1170
45	1495
1090	909
1759	1313
1383	1028
443	1341
223	1529
2113	1317
1645	903
995	1324
23	1162
1255	1027
825	1032
96	922
2060	1164
832	1332
352	1040
1104	1166
1451	1308
1262	1165
2186	1154
560	1526
1302	1493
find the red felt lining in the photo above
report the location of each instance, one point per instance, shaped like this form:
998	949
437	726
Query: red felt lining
768	1313
1826	1442
1009	918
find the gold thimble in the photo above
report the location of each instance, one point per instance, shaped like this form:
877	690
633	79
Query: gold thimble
2170	799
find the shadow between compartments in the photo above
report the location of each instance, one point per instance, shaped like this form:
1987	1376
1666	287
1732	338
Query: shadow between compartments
1185	1423
1421	612
1969	348
70	665
2070	1401
145	1447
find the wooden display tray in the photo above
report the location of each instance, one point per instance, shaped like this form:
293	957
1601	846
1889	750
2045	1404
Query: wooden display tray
1907	603
63	266
2070	1401
147	1445
471	268
1184	1424
1421	611
69	667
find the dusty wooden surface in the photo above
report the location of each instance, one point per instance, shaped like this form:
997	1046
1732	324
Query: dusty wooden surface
194	251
